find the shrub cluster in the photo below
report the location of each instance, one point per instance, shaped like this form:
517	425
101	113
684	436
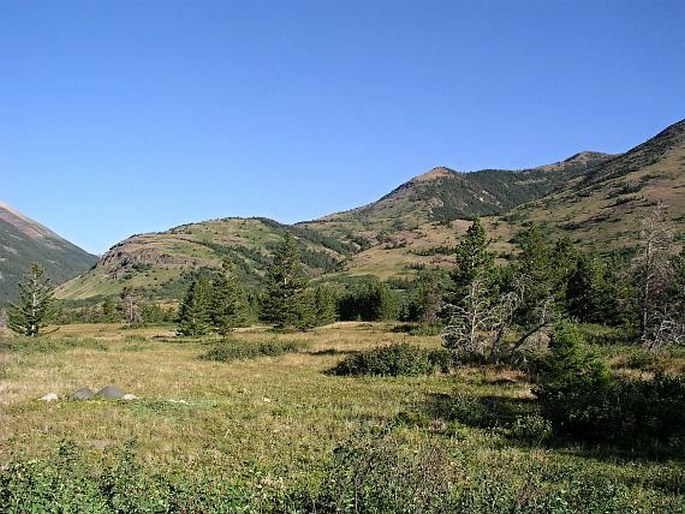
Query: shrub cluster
231	349
581	400
397	359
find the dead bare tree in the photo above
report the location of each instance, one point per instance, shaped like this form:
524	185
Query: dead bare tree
654	273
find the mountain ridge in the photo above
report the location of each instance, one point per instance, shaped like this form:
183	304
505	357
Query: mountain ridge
586	196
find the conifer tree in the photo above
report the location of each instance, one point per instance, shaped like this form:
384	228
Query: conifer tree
538	276
471	305
29	316
194	313
284	300
228	304
324	304
474	261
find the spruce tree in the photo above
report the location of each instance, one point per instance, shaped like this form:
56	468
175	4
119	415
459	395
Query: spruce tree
284	300
194	313
473	258
228	303
325	304
471	302
538	282
30	315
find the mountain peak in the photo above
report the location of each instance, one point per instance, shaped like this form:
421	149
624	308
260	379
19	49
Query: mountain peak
435	174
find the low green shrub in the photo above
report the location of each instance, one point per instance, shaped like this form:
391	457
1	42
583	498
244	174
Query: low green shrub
372	470
71	480
231	349
579	398
49	344
397	359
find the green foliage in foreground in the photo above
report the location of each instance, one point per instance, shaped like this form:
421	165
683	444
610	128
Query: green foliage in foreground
231	349
373	471
397	359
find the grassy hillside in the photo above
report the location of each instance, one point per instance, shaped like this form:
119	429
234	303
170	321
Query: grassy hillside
605	207
593	198
161	262
442	195
23	241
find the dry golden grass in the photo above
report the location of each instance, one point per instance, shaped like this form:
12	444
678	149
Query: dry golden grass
253	407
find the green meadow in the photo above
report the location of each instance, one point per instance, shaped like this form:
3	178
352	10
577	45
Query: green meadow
280	433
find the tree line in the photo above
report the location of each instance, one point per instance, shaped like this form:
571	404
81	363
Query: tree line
486	310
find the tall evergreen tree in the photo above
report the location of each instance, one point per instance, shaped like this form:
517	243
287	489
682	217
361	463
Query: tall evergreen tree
538	282
30	315
593	292
474	260
194	313
228	303
471	302
283	304
325	304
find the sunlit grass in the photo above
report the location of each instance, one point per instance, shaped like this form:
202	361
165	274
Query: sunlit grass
280	416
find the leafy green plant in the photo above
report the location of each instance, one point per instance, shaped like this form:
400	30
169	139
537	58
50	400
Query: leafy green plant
231	349
397	359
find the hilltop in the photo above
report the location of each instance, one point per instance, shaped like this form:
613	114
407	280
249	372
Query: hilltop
606	205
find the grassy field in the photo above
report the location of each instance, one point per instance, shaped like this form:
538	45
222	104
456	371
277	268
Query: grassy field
279	434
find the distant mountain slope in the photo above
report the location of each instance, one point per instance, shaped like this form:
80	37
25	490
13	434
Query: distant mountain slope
592	197
23	241
160	262
443	195
606	205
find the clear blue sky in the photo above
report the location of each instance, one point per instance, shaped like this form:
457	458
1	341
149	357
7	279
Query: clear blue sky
120	117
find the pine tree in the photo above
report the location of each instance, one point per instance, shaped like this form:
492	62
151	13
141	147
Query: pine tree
538	283
324	304
194	313
474	261
471	304
228	303
29	316
284	301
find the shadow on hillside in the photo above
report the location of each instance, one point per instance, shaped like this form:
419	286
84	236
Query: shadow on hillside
329	351
491	412
518	422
